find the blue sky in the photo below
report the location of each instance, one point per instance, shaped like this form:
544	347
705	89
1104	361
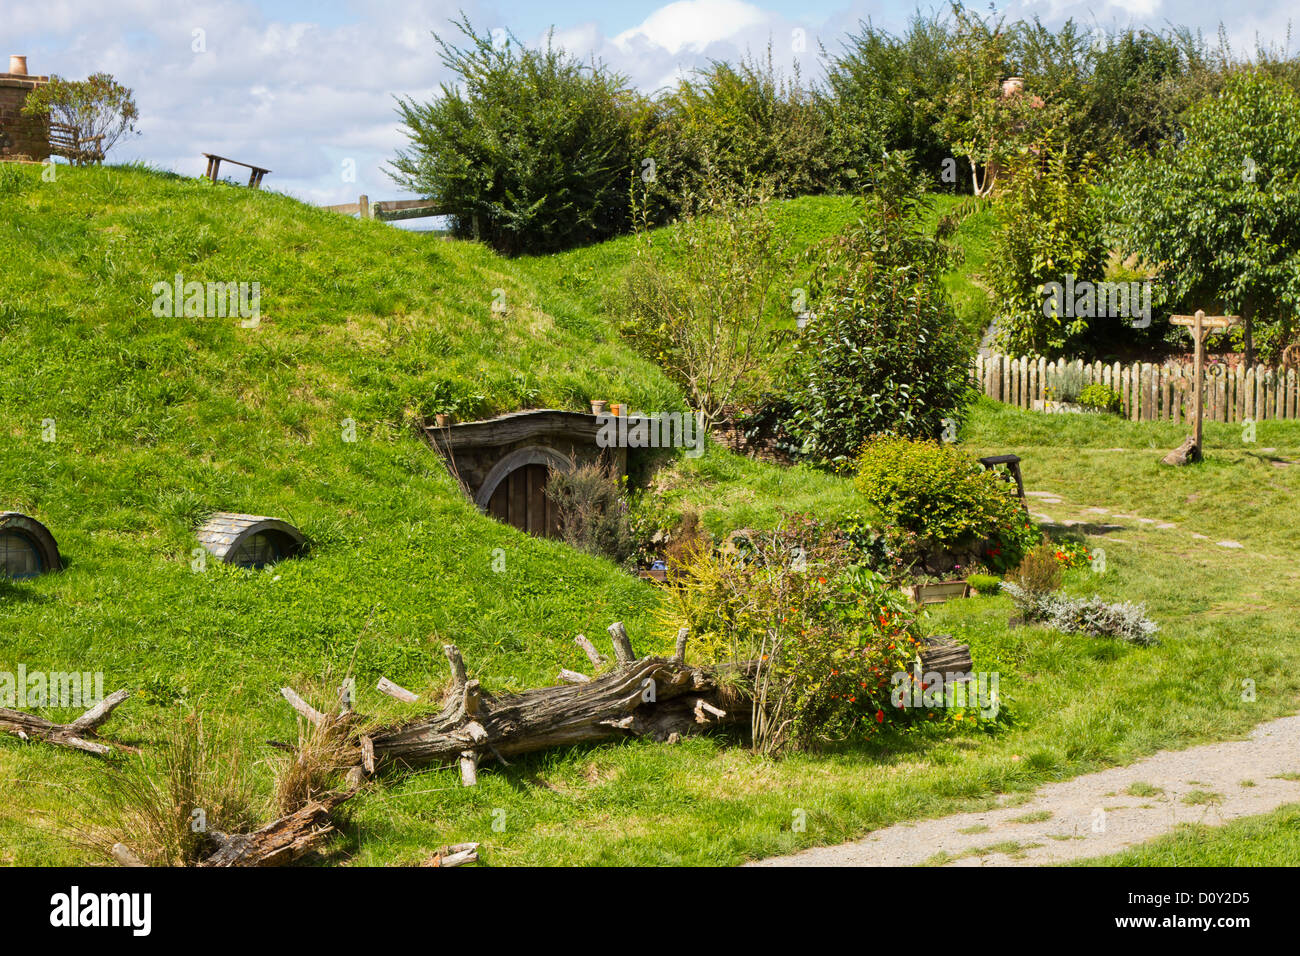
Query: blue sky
307	88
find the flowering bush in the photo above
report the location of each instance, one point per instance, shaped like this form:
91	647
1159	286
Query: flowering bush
821	635
1073	554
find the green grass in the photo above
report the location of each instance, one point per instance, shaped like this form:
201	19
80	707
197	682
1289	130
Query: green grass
162	420
1272	839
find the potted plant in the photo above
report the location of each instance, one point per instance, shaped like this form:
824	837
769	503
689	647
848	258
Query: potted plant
599	406
443	419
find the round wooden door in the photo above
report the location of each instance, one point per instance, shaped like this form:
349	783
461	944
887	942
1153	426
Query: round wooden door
520	500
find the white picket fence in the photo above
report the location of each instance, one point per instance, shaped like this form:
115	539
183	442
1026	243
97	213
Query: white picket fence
1148	392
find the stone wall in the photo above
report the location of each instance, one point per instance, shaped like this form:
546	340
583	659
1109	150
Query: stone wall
21	137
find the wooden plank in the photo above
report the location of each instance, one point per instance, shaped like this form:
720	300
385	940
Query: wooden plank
422	212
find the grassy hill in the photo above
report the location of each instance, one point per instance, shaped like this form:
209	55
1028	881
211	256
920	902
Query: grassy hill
158	421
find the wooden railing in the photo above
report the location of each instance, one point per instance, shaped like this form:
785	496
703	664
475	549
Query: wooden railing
388	209
1148	392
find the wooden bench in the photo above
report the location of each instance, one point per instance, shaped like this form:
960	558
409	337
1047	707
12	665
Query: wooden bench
214	168
67	141
1012	463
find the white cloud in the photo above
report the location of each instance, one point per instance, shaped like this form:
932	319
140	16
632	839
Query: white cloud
694	24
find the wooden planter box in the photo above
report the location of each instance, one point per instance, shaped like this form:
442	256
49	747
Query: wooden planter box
940	592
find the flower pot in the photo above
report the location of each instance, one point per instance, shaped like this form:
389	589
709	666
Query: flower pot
443	419
18	65
599	406
616	409
939	592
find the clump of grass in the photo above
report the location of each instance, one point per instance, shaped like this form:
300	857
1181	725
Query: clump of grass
1202	798
977	828
316	764
1038	816
1141	789
163	802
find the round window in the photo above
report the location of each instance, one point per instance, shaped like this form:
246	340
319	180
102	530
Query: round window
18	555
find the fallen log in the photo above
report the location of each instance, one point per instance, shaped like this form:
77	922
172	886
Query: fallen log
281	841
78	735
651	697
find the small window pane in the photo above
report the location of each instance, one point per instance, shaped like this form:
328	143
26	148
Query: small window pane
18	556
256	551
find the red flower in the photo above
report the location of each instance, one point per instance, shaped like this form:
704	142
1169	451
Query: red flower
880	716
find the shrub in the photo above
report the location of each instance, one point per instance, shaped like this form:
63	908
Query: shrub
1100	396
1040	571
885	351
825	635
530	150
593	512
984	583
1049	227
1092	615
97	106
699	297
936	492
737	127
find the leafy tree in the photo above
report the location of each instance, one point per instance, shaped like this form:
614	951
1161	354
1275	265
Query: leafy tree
97	107
974	116
1218	209
884	352
529	150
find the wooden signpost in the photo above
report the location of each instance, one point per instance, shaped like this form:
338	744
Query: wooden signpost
1200	324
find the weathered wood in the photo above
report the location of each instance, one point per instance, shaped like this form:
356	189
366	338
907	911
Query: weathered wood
124	856
679	654
396	690
457	668
622	643
593	655
78	735
1185	454
573	677
281	841
652	697
457	854
313	715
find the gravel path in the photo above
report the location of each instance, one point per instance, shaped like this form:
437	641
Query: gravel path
1095	814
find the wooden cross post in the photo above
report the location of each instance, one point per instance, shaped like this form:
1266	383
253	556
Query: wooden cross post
1200	324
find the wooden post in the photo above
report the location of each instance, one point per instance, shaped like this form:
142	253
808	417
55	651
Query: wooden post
364	204
1200	324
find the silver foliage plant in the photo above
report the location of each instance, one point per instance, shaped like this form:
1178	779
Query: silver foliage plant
1124	620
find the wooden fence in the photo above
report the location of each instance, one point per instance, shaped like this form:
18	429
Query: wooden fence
1148	392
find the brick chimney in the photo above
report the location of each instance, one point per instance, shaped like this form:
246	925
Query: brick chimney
21	137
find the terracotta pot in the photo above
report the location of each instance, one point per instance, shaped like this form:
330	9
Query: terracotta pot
18	64
599	406
616	409
443	419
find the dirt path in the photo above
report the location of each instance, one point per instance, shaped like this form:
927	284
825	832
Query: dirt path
1095	814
